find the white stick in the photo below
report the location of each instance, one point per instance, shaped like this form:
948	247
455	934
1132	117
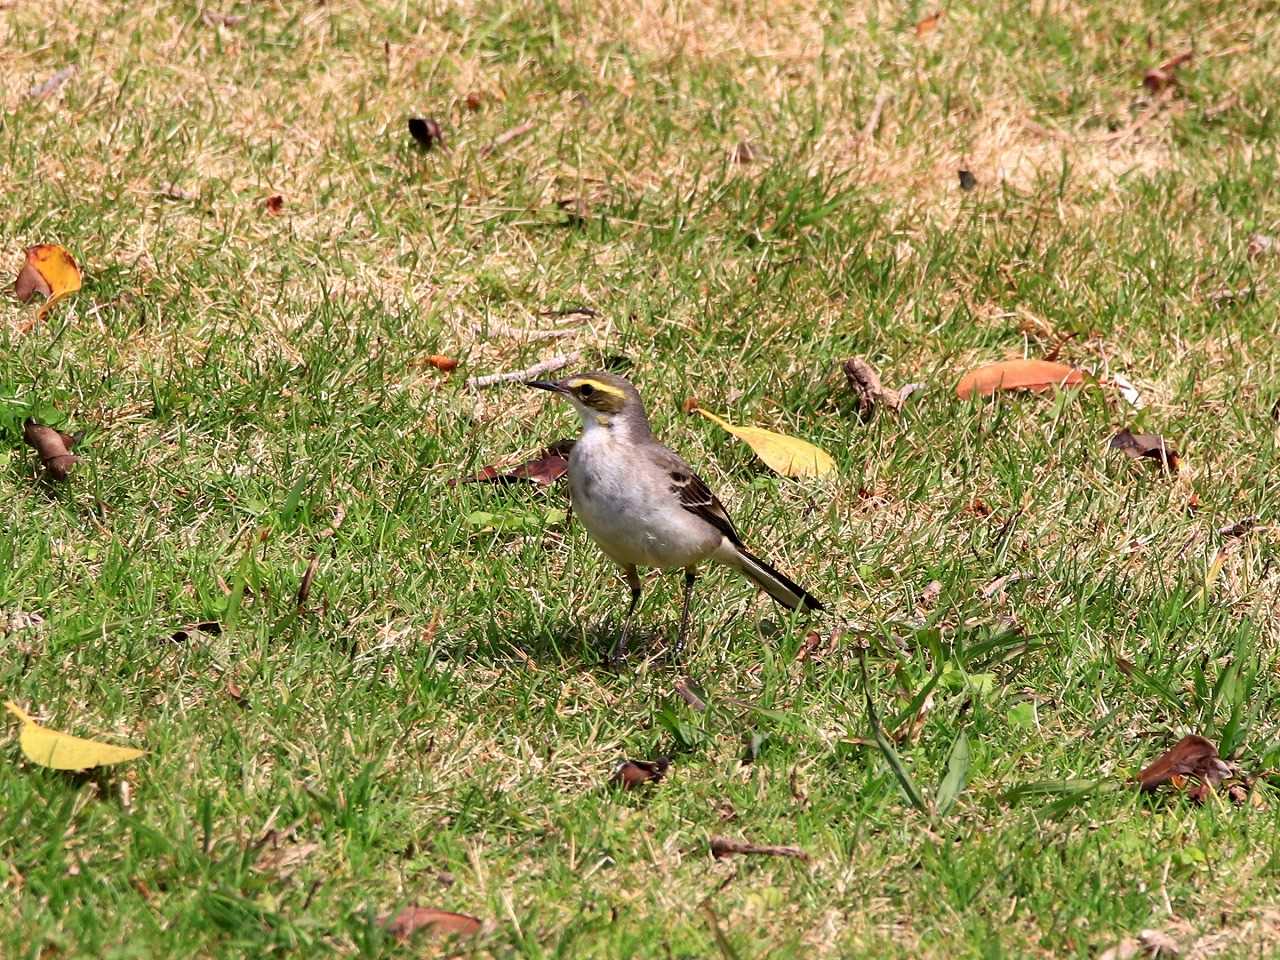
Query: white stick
546	366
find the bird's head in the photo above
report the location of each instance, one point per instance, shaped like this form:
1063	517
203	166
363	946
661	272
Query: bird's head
601	399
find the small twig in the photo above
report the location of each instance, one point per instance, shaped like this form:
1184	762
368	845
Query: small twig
546	366
521	333
723	847
502	139
873	120
304	588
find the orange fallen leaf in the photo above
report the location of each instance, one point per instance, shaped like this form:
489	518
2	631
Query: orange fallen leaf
274	203
1017	375
928	24
50	270
441	362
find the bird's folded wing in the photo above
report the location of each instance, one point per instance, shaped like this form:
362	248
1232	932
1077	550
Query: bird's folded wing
696	497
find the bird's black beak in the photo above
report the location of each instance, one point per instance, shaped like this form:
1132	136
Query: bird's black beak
544	385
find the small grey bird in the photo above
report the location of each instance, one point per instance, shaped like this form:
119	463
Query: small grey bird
644	506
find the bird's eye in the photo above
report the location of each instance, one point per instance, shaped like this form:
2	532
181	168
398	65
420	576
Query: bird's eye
586	390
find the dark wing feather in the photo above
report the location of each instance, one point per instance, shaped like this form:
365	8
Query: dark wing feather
696	497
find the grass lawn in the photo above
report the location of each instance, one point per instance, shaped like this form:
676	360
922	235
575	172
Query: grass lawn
743	195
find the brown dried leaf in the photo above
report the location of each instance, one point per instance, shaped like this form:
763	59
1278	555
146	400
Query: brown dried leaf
549	465
630	774
686	693
284	859
722	847
304	587
865	383
1158	78
929	595
1260	245
1017	375
441	362
53	447
49	270
1192	756
183	634
412	919
967	180
1149	445
691	404
274	204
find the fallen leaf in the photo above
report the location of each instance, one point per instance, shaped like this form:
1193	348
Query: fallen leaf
440	362
786	455
967	180
927	25
865	383
929	595
630	774
49	270
691	404
61	751
547	466
722	847
426	131
274	204
1260	245
412	919
236	693
48	88
53	446
1017	375
1158	78
1192	756
473	101
308	576
1148	445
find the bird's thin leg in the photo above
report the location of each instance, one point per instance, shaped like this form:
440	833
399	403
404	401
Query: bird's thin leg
619	651
689	577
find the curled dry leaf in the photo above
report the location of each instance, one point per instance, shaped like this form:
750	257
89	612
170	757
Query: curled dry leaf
547	466
412	919
630	774
865	383
722	847
1158	78
49	270
473	101
426	131
441	362
1017	375
274	204
1240	528
61	751
693	697
1148	445
786	455
1192	756
53	446
967	180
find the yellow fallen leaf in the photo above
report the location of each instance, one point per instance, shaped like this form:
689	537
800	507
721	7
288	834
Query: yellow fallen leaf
61	751
50	270
786	455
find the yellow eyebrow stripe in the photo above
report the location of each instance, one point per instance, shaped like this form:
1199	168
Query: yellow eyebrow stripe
596	384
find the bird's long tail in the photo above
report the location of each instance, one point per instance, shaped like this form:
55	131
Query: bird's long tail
781	588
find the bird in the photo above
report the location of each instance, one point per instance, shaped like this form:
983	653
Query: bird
645	507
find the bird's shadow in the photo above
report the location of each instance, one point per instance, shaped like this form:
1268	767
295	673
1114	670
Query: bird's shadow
567	642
